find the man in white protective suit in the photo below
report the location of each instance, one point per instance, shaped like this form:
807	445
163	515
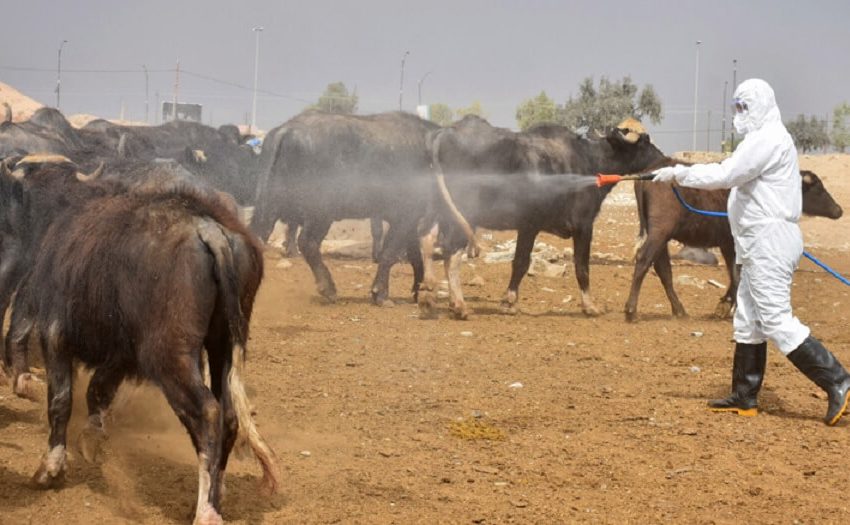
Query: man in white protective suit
764	208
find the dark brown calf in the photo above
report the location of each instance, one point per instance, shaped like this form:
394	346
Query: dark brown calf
137	286
662	218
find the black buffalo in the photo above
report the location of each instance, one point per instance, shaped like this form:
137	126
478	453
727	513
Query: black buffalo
326	167
137	285
503	180
663	218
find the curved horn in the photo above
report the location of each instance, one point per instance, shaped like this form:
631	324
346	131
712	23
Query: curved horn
82	177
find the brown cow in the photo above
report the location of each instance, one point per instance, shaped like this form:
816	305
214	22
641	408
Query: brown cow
662	218
136	286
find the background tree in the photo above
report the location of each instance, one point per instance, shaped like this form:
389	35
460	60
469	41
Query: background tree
841	127
599	108
808	134
537	110
473	109
441	114
337	99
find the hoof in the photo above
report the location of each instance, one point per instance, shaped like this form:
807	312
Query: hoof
508	308
591	311
30	387
459	313
723	310
208	516
632	317
51	471
90	443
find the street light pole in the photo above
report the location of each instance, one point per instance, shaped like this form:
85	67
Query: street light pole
401	85
696	93
147	99
257	30
421	80
734	87
59	73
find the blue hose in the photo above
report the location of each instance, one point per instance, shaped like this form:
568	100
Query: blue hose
708	213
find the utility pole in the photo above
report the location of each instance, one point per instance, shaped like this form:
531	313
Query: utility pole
696	93
421	80
723	123
401	86
734	87
257	30
158	114
176	89
59	74
147	100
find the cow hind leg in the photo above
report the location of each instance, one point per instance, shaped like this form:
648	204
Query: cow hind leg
457	306
519	267
665	273
376	225
51	470
646	253
24	383
414	256
395	244
290	240
726	305
310	243
201	414
99	396
426	298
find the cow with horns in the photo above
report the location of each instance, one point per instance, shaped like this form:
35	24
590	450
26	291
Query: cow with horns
136	285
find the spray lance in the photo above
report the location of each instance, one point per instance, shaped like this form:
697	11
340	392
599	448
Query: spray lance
605	179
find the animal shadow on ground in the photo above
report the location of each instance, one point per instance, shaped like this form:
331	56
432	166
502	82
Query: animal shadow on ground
172	487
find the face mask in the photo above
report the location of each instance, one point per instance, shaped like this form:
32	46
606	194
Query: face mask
740	122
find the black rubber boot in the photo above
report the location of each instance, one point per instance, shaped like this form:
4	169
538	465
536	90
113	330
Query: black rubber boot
825	371
747	375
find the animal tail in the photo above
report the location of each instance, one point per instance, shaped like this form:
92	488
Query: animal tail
447	197
248	438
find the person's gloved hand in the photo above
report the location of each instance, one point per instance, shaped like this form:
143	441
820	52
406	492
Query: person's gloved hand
669	174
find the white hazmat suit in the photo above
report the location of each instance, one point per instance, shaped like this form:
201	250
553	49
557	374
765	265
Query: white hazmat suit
764	208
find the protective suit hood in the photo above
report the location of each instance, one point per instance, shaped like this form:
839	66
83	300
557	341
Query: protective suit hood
761	106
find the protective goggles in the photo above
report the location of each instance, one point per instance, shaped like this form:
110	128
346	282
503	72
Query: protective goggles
739	105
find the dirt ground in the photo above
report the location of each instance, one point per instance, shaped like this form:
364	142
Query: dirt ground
544	417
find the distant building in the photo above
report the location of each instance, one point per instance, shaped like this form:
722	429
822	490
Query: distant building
191	112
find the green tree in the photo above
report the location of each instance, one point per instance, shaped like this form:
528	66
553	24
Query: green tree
473	109
841	127
337	99
808	134
441	114
537	110
599	108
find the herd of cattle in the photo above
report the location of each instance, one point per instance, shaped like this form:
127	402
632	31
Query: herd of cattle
125	249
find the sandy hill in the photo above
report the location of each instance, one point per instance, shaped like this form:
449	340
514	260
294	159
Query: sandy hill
22	106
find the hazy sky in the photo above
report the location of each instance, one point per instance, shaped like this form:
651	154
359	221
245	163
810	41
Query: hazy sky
497	52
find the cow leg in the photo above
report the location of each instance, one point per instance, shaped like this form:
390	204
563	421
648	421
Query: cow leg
377	227
581	248
415	258
519	267
24	383
310	243
727	303
290	240
218	347
395	244
457	306
102	389
201	414
427	300
8	282
51	471
646	254
665	272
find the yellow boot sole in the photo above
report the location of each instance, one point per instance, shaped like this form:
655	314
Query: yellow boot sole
745	412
